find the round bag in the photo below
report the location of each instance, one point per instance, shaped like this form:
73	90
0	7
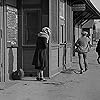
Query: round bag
17	75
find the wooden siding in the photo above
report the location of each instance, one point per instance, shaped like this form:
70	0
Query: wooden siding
53	44
68	55
69	31
69	24
54	61
61	52
54	36
56	50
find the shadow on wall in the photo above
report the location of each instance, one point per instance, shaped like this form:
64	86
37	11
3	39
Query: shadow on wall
11	60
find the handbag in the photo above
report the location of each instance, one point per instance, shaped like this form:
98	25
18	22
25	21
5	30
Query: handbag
17	75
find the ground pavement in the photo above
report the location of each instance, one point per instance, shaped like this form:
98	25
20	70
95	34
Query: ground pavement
64	86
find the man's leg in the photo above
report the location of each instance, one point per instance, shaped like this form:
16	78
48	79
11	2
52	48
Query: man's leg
80	60
85	61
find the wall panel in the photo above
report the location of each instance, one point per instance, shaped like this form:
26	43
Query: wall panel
11	2
53	68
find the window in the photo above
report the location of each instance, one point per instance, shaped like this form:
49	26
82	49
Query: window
62	34
62	9
31	26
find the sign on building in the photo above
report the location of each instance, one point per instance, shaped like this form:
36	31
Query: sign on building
78	7
12	26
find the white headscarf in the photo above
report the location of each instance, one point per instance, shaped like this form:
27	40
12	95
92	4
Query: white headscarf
45	33
46	30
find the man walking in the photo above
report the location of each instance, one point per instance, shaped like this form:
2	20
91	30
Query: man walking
82	45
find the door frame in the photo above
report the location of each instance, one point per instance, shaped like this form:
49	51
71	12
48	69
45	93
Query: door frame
23	32
3	52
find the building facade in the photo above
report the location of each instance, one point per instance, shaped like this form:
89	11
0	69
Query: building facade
33	15
20	22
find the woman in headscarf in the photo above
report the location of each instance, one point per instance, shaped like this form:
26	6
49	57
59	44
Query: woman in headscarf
40	56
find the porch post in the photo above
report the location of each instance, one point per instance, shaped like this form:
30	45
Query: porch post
3	43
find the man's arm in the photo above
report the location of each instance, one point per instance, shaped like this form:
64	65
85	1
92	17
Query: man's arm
90	45
77	43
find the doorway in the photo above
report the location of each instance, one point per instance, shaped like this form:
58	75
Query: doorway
31	27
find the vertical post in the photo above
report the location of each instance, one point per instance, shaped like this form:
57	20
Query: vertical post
3	41
0	53
73	39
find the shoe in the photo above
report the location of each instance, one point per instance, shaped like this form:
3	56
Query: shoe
43	79
86	69
37	78
81	71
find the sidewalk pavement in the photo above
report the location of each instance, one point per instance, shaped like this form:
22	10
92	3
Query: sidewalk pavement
64	86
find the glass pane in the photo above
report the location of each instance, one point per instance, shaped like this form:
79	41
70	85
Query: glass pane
62	9
62	34
31	27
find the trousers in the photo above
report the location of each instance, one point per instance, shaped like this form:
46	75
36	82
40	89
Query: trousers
83	60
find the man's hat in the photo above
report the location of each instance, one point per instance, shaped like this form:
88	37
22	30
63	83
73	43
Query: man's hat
84	33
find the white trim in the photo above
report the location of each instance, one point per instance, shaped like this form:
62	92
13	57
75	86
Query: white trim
54	75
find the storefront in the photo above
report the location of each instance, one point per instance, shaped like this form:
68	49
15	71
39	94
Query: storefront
20	22
33	15
8	37
63	21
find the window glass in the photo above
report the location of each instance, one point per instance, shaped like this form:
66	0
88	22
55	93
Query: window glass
62	9
31	26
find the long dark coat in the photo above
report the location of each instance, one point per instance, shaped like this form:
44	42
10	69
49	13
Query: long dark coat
40	56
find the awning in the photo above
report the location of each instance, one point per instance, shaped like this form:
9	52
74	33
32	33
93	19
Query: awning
89	24
90	12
